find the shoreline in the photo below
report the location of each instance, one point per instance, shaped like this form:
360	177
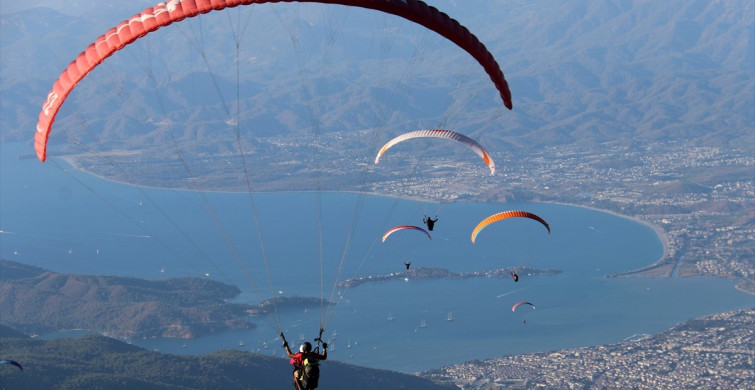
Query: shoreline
659	232
77	167
654	269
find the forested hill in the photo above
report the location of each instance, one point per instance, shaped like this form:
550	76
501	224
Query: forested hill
96	362
36	300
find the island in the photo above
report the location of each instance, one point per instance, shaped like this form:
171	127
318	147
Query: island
441	273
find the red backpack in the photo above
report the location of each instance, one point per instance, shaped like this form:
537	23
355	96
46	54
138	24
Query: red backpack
297	360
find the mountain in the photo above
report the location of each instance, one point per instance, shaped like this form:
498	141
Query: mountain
580	72
629	70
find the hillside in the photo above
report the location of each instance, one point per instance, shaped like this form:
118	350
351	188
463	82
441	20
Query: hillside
581	73
96	362
39	301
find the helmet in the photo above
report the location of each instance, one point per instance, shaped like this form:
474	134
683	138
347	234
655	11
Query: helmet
306	347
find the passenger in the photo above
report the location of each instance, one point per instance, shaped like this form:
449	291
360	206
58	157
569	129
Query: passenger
306	365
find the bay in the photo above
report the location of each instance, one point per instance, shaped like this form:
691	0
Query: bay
70	222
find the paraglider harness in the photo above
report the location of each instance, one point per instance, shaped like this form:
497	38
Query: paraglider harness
306	366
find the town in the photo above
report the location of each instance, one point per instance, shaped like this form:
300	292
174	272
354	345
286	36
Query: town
714	352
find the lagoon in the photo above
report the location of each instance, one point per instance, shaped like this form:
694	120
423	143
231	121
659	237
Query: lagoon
71	222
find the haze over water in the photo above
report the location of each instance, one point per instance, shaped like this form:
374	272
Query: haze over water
70	222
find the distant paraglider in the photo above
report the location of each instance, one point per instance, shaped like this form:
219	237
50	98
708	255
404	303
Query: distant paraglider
405	227
447	134
505	215
513	308
11	362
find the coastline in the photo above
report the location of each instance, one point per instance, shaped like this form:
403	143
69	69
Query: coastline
654	269
662	267
68	160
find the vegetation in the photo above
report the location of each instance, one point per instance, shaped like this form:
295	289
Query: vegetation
35	300
97	362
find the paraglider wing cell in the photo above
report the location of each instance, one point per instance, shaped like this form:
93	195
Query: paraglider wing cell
438	133
505	215
166	13
404	227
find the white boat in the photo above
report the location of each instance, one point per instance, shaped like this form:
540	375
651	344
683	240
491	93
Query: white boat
390	317
450	316
423	324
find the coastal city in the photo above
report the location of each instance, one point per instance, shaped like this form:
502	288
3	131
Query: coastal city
694	211
714	352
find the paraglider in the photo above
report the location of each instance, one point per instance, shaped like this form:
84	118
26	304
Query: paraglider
405	227
166	13
306	374
429	222
513	308
11	362
504	215
306	365
447	134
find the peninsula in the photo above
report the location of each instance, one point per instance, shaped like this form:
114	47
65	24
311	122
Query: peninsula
39	301
441	273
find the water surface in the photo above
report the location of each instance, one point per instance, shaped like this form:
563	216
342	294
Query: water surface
70	222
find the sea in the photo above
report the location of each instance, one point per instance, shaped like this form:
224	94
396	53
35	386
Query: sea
303	243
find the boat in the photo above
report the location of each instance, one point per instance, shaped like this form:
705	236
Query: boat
241	343
423	324
450	316
390	317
